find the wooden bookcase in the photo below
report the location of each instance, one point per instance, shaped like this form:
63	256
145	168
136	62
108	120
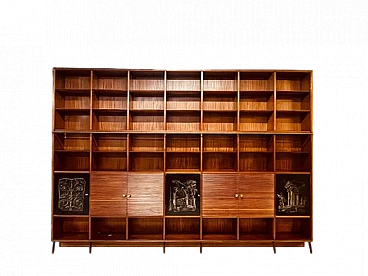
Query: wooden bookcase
182	158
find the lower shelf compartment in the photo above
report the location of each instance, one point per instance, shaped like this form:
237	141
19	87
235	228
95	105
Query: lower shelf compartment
70	228
293	229
145	228
219	229
256	228
108	228
182	228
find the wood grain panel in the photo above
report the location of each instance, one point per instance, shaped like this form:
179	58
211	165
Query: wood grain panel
146	194
108	207
108	185
257	183
258	195
219	195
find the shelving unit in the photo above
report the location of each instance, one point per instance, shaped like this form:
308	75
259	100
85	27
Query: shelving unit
182	158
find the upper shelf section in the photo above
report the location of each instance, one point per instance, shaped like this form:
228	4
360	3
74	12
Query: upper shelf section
115	100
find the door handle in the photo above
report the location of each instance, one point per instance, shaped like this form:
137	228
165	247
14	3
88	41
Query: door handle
129	195
236	195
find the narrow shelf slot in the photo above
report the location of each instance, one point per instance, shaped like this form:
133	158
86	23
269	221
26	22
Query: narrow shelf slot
220	101
108	228
184	81
293	229
106	142
145	228
109	161
256	121
182	228
183	100
220	81
71	161
219	121
219	229
71	142
73	79
256	228
74	119
70	228
109	120
292	81
146	80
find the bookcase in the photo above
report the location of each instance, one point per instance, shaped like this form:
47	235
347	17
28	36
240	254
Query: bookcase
182	158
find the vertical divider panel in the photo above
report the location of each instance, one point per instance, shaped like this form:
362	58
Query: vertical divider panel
128	147
238	110
90	101
201	126
128	105
238	228
165	103
311	98
238	153
274	100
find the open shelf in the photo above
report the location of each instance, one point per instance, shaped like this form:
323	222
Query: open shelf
256	143
292	81
72	99
109	120
256	121
219	121
147	120
146	152
256	228
256	101
219	152
106	142
109	161
110	80
71	161
146	80
293	121
70	228
290	101
109	100
183	143
180	120
72	119
293	153
184	81
256	81
219	229
220	81
146	100
256	161
73	80
71	142
183	161
293	229
182	228
108	228
145	228
221	101
183	100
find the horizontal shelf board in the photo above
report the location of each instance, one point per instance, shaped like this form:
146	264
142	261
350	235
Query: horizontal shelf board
292	111
67	91
182	151
293	152
222	91
110	152
220	171
258	237
220	236
285	236
82	111
70	216
146	151
146	171
256	151
292	91
182	237
220	110
71	151
184	91
110	110
292	172
83	236
146	237
291	217
183	111
114	92
255	111
105	236
71	171
184	171
147	111
219	151
147	91
255	91
180	216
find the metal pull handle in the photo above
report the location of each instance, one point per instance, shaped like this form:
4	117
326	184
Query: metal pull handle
241	195
236	195
129	195
124	195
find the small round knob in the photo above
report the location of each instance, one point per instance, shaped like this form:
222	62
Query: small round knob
241	195
236	195
129	195
124	195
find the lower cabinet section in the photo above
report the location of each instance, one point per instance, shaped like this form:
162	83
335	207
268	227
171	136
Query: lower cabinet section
209	209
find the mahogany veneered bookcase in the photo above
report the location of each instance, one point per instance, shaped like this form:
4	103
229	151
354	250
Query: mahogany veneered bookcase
182	158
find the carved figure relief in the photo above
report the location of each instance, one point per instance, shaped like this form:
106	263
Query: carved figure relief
182	194
293	194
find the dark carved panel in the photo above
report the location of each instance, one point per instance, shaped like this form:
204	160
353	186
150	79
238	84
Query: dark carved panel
293	194
182	194
71	195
